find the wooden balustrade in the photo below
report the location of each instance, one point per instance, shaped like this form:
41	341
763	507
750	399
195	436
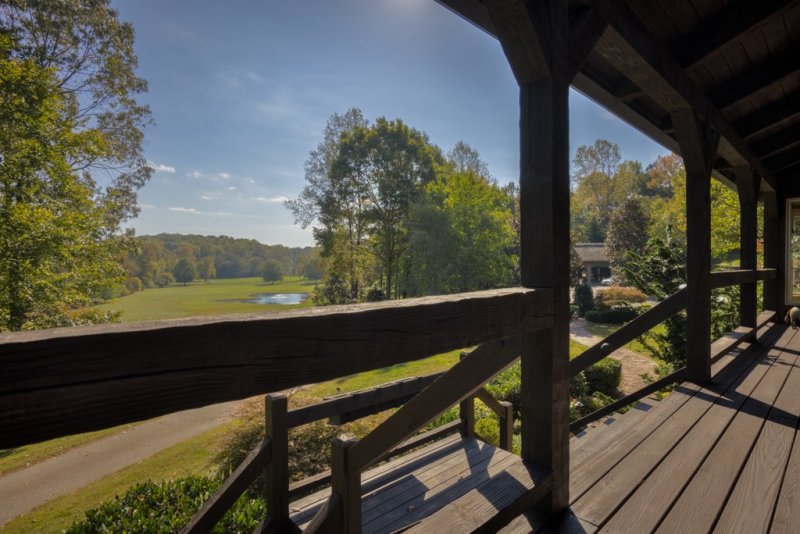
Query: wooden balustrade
65	381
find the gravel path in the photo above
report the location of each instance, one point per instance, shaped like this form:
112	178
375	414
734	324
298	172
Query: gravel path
633	363
23	490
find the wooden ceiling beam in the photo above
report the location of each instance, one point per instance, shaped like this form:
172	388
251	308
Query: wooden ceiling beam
733	21
791	171
633	50
769	115
778	142
760	77
783	160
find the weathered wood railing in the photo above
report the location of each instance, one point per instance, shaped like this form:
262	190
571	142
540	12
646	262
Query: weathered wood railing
673	304
65	381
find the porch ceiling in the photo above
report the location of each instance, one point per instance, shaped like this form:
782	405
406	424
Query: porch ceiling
736	62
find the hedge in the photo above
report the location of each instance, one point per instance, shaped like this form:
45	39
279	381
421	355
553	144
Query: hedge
618	315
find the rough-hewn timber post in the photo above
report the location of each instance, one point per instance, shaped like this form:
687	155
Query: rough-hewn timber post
535	36
346	483
466	411
698	144
782	248
277	431
771	249
747	185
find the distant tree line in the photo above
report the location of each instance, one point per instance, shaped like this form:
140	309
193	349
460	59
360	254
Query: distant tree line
166	258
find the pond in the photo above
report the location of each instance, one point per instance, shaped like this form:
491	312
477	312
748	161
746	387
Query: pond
273	298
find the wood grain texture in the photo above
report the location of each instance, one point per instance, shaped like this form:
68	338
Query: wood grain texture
747	185
61	382
276	430
771	245
651	500
749	508
714	480
460	382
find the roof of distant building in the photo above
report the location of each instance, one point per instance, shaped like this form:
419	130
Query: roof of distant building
592	252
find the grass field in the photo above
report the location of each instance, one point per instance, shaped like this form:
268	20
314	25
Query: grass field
603	330
205	298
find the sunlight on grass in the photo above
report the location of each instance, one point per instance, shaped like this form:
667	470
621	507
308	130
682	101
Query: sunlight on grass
603	330
205	298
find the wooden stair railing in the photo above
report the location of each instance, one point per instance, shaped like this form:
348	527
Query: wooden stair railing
350	456
673	304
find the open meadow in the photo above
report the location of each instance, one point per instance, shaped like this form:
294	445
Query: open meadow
214	297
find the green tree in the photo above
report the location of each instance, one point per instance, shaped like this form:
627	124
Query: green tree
313	269
583	297
90	53
627	231
59	248
460	236
206	268
184	271
273	272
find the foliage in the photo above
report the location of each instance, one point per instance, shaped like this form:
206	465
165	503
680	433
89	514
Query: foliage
166	507
605	376
272	271
613	295
460	237
614	315
215	257
584	297
184	271
626	232
59	242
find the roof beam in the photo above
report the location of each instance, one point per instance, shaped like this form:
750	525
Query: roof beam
789	171
632	49
763	75
786	138
783	160
584	31
725	26
769	115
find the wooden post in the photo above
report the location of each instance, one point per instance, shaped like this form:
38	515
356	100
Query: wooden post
466	411
277	431
747	185
698	144
771	245
782	251
346	483
534	36
507	426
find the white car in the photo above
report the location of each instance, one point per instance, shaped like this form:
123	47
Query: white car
607	282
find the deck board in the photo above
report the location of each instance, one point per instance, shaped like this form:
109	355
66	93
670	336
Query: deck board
655	495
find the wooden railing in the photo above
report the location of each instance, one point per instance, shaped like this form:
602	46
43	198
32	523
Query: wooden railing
654	316
66	381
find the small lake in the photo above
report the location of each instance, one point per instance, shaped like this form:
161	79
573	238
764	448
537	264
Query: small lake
273	298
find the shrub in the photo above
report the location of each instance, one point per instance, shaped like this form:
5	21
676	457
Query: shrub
617	295
584	298
166	507
605	377
615	315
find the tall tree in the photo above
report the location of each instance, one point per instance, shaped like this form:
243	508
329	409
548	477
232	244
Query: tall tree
91	54
184	271
626	232
57	244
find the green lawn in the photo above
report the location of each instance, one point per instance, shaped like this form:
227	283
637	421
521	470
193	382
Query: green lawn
205	298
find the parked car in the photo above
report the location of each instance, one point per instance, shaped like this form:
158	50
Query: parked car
607	282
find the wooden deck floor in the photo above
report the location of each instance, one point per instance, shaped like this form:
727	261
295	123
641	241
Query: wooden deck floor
479	483
722	458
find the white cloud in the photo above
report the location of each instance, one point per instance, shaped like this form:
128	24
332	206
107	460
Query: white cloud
232	188
272	199
193	174
147	206
250	180
206	197
185	210
160	167
224	175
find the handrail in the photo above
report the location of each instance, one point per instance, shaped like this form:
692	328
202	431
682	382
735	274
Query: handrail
735	277
639	325
233	486
129	372
461	381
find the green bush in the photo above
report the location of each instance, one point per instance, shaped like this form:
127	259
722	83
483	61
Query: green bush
584	297
616	315
605	377
166	507
617	295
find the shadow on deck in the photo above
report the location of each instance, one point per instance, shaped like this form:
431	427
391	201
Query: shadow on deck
721	458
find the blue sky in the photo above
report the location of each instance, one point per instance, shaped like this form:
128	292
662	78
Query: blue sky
241	90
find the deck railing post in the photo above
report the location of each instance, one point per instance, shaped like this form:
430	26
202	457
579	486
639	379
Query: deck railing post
698	144
277	430
346	483
771	244
466	412
747	186
507	426
535	38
